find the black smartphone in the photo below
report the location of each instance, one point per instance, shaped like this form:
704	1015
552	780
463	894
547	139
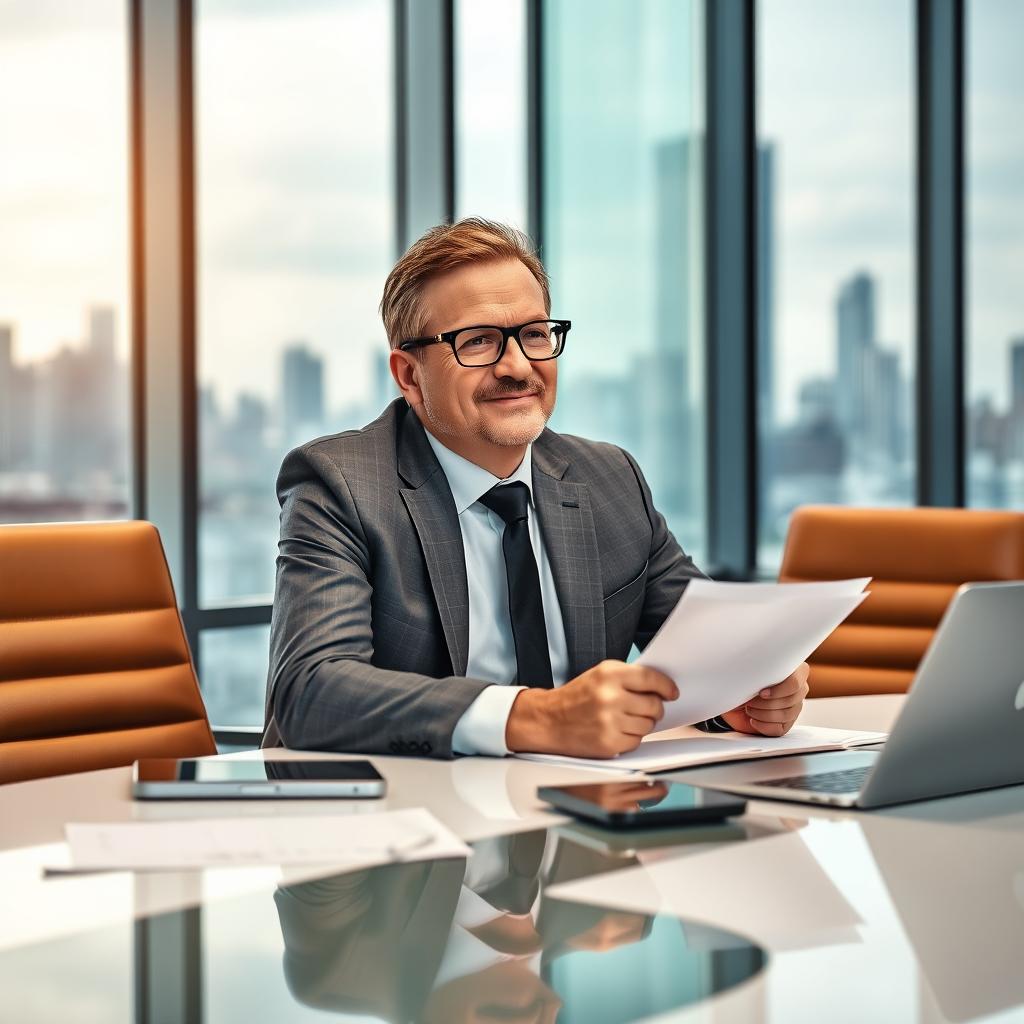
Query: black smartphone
642	802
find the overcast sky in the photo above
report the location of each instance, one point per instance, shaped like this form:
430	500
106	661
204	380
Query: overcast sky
295	174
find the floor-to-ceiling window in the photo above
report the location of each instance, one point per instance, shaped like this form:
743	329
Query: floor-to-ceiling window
294	114
835	307
623	115
490	68
65	436
994	258
295	120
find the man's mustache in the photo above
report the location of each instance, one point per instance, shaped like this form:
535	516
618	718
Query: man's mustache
512	389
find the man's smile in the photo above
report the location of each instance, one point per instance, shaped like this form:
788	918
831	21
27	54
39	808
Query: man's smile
512	399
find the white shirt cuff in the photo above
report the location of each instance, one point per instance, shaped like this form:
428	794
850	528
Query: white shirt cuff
481	729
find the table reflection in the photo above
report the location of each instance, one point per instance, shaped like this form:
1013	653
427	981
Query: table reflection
479	940
962	909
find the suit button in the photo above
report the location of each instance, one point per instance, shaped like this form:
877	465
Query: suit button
425	747
394	746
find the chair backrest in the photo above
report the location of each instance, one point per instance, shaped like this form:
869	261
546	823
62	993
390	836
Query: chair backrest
95	670
917	558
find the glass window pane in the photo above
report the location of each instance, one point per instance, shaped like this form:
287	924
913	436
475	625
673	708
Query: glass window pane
623	190
64	264
490	110
294	114
836	326
233	673
995	254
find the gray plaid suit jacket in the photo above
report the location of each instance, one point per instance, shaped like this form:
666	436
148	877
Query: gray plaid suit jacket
370	631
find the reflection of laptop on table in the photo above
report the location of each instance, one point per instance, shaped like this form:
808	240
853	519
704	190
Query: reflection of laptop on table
959	892
961	728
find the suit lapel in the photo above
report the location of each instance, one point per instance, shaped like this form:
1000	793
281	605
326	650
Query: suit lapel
432	509
567	525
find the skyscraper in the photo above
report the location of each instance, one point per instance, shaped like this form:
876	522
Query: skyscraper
855	316
302	394
1017	375
883	405
6	395
101	333
664	412
1014	426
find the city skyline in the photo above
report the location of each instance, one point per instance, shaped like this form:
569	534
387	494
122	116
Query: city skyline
46	49
302	400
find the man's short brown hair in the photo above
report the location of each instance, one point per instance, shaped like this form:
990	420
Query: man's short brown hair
440	250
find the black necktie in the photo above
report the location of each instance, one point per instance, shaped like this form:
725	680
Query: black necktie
525	607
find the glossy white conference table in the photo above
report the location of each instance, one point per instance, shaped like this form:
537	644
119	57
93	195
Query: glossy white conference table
791	914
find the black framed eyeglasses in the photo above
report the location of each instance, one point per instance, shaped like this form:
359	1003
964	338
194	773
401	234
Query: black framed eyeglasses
485	344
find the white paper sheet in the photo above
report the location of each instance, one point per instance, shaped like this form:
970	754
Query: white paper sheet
346	840
725	641
777	591
689	748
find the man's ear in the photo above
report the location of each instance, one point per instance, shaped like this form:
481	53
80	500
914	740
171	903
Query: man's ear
405	368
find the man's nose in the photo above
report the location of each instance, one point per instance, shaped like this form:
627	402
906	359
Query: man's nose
513	363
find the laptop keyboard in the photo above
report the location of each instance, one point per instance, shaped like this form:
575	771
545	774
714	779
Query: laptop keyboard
847	781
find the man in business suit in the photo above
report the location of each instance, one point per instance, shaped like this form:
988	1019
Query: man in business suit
455	577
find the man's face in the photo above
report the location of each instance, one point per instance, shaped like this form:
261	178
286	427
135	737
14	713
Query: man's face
481	412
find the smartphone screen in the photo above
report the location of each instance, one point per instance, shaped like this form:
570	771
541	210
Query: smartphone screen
643	802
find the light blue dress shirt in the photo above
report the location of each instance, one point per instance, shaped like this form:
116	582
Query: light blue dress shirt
492	651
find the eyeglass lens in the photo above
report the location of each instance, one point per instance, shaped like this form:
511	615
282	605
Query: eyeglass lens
479	346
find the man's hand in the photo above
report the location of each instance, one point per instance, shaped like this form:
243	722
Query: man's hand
774	710
605	711
627	796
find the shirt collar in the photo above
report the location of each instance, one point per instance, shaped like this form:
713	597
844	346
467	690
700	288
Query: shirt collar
470	482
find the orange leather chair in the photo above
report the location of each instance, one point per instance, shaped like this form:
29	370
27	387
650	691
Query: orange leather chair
918	557
94	667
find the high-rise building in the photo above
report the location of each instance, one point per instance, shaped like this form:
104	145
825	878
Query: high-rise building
855	321
302	394
107	402
1017	375
664	411
1014	425
102	333
883	405
17	405
816	401
6	396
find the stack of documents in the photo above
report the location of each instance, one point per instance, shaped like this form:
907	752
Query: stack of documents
724	642
347	841
687	748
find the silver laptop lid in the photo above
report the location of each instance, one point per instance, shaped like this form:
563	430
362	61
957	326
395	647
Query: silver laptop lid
962	727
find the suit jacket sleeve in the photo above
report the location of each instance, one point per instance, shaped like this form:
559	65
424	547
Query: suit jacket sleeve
324	692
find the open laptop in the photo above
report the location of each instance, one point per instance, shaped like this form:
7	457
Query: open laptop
961	728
